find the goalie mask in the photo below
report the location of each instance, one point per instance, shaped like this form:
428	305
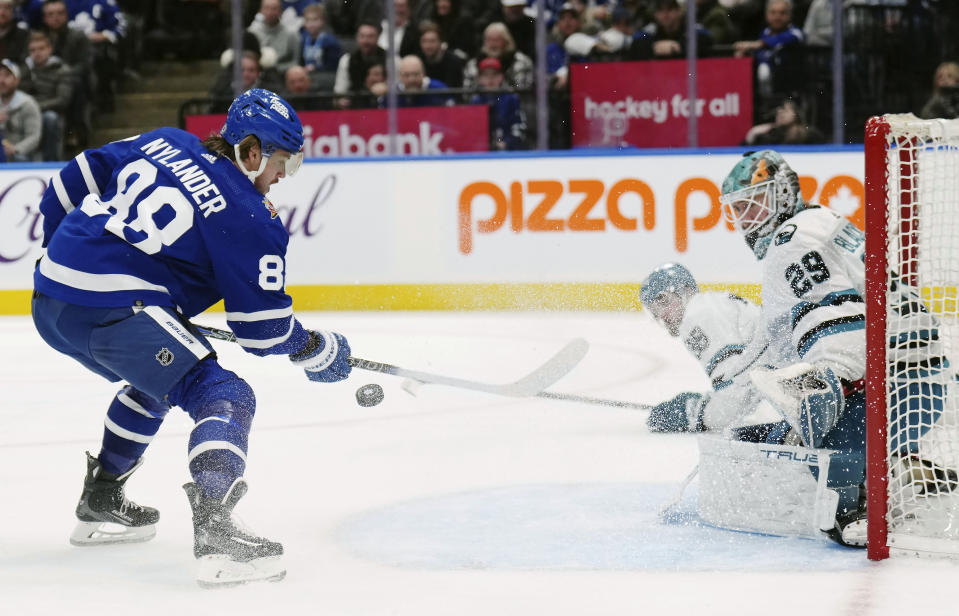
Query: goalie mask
759	194
665	293
270	119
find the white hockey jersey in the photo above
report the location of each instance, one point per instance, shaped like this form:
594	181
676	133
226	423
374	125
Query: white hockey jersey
813	286
726	334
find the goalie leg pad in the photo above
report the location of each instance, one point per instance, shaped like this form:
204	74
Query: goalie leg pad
765	488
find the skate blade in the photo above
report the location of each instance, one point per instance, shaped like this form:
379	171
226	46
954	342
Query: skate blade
105	533
221	572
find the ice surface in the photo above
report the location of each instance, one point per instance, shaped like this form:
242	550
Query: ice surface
450	502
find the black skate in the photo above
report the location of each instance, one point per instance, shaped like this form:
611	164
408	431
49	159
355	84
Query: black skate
850	529
922	476
227	553
851	524
105	515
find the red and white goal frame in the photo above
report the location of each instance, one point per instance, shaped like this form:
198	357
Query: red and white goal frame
912	236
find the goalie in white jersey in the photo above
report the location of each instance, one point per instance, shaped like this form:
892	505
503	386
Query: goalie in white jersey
813	285
726	335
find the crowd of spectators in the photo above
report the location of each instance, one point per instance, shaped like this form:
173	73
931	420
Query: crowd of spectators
343	47
62	61
70	55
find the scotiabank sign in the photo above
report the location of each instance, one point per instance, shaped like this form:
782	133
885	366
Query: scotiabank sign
364	132
644	104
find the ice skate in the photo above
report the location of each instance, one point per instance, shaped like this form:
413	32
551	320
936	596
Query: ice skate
850	529
922	476
851	525
104	513
228	554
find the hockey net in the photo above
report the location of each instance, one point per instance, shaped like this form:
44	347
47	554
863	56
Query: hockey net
912	315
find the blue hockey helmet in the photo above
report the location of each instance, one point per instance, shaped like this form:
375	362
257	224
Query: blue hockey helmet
270	119
759	194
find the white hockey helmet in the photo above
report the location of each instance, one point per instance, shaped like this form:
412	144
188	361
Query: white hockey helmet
665	293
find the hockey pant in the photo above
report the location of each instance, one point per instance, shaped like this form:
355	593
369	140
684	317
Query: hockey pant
166	363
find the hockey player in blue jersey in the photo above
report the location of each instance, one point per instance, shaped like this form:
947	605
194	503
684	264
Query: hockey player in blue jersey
813	284
139	236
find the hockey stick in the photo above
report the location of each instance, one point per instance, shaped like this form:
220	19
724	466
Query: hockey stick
533	383
412	387
623	404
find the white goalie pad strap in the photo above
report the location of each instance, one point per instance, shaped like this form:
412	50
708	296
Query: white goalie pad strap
763	488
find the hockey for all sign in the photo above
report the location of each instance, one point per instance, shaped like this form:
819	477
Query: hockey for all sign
645	104
364	133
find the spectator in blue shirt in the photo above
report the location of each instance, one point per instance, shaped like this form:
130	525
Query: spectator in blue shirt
507	121
777	54
321	50
412	78
104	25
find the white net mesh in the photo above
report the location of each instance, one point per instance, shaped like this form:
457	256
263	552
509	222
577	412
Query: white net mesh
923	332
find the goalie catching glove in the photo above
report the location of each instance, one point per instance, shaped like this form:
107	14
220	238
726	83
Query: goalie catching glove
810	398
325	358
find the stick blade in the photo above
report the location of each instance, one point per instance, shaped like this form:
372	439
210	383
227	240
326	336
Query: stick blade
553	370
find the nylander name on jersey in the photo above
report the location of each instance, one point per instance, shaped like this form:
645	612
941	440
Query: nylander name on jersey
158	219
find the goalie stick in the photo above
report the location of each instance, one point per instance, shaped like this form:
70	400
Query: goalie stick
412	386
530	385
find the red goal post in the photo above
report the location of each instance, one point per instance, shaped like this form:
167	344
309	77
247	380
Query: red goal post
912	246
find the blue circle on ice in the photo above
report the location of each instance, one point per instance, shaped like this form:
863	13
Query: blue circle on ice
575	527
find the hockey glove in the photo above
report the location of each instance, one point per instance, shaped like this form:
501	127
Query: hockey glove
674	415
325	358
809	396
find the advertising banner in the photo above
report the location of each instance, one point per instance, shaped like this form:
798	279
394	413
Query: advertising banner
645	104
493	220
364	132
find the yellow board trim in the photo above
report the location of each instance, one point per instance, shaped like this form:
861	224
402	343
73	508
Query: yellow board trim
15	302
941	300
491	296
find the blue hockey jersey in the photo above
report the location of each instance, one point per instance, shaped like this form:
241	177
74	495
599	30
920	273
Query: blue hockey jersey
160	220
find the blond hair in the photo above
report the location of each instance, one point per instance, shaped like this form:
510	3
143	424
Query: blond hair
942	70
498	27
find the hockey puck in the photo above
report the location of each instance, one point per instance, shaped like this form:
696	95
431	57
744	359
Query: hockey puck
369	395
